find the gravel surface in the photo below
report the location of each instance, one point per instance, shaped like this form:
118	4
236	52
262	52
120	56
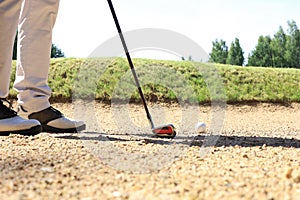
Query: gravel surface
256	157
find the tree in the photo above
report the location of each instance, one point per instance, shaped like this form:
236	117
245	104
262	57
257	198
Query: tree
262	54
278	46
219	52
292	53
14	57
235	54
55	51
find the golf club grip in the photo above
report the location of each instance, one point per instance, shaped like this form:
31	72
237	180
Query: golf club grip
130	62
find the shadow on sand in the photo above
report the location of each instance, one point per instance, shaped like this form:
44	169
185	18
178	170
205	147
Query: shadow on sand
221	141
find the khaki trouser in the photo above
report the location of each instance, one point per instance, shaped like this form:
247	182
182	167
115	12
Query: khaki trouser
34	20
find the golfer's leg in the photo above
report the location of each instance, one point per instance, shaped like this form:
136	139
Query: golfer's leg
9	16
35	39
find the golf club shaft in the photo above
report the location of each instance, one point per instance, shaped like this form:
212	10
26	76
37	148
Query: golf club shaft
130	62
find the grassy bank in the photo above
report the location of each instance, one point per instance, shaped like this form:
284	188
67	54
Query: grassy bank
169	81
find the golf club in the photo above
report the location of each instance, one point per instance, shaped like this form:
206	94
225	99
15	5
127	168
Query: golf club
165	131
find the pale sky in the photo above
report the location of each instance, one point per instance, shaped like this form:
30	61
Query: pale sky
82	26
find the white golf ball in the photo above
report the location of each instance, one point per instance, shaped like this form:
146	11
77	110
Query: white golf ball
200	127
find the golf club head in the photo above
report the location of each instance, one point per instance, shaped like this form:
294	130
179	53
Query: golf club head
165	131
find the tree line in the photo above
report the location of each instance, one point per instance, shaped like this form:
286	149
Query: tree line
281	51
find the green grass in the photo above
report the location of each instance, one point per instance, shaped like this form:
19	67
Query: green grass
169	81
